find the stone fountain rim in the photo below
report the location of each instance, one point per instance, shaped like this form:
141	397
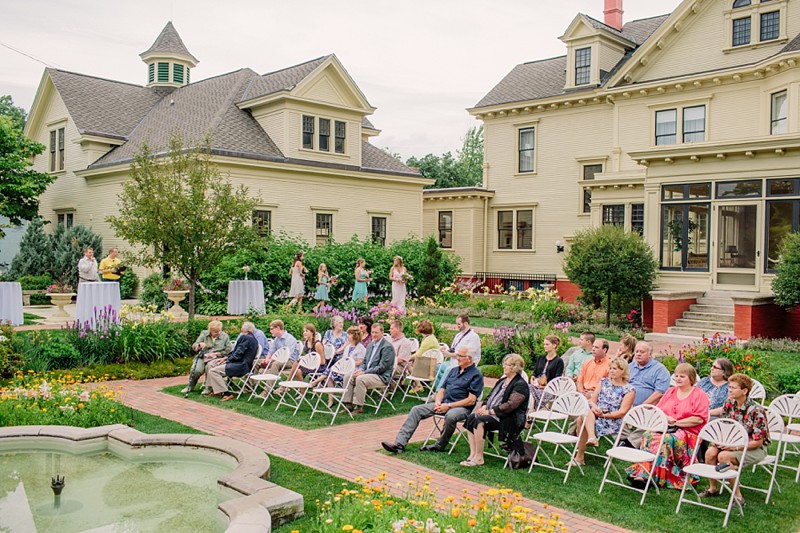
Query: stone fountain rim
252	512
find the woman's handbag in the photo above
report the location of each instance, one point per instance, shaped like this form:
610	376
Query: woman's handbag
521	459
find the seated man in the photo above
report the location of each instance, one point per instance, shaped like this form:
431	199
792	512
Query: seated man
401	345
461	389
280	339
594	369
580	356
212	343
649	378
237	364
374	372
261	338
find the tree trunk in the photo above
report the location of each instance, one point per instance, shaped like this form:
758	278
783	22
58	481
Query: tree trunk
608	309
192	286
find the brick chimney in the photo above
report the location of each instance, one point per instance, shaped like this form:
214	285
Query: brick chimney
613	13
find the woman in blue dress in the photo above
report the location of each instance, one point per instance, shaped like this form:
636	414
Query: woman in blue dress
362	278
323	286
716	386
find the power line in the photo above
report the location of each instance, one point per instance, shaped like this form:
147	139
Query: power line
29	56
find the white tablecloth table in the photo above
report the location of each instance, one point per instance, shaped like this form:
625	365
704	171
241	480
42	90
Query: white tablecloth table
11	302
244	295
95	296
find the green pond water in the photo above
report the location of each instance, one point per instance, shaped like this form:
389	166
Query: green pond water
113	491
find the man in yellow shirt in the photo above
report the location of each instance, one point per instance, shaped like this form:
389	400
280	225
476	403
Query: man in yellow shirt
108	266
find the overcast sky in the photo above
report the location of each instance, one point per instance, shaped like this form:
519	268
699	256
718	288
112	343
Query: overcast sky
420	62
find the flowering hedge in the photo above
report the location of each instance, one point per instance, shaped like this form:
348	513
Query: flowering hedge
744	361
31	398
373	508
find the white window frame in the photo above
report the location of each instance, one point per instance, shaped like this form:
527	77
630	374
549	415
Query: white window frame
679	106
785	119
534	125
514	209
754	11
316	134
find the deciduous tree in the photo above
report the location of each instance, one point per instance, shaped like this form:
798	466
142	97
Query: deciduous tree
786	284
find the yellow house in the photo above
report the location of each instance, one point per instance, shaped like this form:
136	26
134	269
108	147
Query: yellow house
684	127
298	138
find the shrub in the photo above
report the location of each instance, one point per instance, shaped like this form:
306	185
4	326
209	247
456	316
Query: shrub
786	284
35	256
151	293
57	354
10	360
151	341
787	381
491	371
774	345
68	245
128	283
35	283
98	345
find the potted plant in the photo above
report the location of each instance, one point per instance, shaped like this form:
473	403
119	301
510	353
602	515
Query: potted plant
61	294
176	290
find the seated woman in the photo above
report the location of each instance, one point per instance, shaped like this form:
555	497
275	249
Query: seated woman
503	411
428	342
212	343
686	408
627	345
336	337
365	326
352	350
609	405
753	417
548	367
310	344
716	385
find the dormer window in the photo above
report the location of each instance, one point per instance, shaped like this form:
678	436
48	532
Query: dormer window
324	129
756	18
583	66
308	132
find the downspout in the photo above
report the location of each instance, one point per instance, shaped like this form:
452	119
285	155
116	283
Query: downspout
485	232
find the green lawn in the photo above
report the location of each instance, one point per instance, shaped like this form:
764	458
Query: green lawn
29	319
618	506
284	415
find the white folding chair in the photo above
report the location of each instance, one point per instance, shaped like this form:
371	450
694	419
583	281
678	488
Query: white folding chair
377	396
346	368
640	418
438	426
414	345
722	432
770	462
425	381
294	390
240	384
552	391
330	353
759	393
572	404
266	382
787	406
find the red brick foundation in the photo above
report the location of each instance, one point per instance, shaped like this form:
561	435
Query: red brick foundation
647	314
759	321
568	291
666	312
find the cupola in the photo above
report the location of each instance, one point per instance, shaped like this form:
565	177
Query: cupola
168	61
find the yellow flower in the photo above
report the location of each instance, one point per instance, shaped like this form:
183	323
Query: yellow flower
347	527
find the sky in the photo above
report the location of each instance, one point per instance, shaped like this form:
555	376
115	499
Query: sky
422	63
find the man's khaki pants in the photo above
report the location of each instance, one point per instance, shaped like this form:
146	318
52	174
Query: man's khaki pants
357	389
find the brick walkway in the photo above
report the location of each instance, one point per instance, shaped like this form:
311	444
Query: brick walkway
345	451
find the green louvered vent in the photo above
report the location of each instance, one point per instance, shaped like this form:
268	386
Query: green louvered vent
151	72
187	76
163	72
177	73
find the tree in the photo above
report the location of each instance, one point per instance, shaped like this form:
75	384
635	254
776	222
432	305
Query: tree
35	256
20	187
68	246
786	284
430	276
464	170
182	212
608	261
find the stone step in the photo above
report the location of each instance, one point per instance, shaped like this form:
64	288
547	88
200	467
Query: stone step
721	302
697	332
704	324
677	340
714	317
717	309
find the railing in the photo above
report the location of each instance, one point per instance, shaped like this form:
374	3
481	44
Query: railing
520	282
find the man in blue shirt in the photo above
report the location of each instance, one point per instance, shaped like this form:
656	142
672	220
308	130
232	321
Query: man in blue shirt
461	389
280	339
649	378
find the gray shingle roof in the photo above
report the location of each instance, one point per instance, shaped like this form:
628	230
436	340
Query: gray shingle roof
367	124
792	46
373	158
169	42
545	78
102	106
281	80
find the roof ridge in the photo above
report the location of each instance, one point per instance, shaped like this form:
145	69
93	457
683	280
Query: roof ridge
543	60
648	18
94	77
230	100
295	66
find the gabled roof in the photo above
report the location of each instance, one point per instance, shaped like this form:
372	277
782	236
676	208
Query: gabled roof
168	42
545	78
282	80
103	107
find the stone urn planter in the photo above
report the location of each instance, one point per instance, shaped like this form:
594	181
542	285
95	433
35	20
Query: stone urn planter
60	299
176	297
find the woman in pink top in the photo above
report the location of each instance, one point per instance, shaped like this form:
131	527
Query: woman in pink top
686	408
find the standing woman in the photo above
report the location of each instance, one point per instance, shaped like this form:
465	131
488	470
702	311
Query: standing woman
323	285
362	278
399	276
298	288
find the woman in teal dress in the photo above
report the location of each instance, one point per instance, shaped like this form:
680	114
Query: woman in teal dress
323	285
362	278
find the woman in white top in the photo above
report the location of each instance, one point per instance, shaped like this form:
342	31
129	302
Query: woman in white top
298	288
399	276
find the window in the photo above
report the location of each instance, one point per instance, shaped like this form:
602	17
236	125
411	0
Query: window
770	25
740	3
446	229
151	72
177	73
57	149
324	135
583	66
694	124
262	221
614	215
308	132
637	218
783	217
526	148
741	31
778	113
506	228
738	189
340	131
324	227
163	72
666	127
53	151
60	148
684	227
379	230
588	174
68	219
